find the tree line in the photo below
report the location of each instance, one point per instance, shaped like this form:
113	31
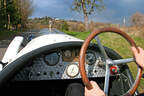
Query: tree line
14	13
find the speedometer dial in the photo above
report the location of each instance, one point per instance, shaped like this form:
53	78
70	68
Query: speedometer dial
72	70
51	59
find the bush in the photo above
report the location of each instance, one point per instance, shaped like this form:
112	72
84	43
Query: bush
65	26
76	26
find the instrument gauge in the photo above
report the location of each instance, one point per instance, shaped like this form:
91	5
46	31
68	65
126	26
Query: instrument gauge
90	57
67	53
72	70
51	59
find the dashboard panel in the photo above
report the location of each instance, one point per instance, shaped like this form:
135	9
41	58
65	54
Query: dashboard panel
62	63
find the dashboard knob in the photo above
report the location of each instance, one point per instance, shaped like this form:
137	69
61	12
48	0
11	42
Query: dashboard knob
38	73
114	69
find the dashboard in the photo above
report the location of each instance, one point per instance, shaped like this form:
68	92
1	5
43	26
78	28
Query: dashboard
59	67
62	63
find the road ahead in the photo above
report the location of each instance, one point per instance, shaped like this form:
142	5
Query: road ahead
2	51
3	46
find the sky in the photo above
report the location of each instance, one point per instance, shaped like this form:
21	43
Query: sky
115	10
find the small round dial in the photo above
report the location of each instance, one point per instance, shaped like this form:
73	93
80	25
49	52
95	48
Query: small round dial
90	57
67	53
51	59
72	70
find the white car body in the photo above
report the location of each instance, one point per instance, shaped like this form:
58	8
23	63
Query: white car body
13	51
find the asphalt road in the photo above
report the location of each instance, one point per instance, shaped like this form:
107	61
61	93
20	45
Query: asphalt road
3	46
2	51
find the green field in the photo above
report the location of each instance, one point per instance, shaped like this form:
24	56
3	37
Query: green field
119	44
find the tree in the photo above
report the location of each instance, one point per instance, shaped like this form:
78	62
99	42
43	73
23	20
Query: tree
3	13
14	12
137	19
87	7
26	9
65	26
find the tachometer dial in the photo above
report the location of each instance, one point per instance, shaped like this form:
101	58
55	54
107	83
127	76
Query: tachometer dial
90	57
72	70
51	59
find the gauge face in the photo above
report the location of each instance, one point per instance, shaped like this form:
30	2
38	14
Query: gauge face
67	53
51	59
90	57
72	70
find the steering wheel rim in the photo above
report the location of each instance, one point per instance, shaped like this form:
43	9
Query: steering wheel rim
83	52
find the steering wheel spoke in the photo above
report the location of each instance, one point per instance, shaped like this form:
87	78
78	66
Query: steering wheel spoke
101	47
122	61
107	77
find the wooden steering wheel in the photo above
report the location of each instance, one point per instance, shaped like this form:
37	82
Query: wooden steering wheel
108	61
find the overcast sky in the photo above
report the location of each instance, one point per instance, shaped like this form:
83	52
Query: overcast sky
115	10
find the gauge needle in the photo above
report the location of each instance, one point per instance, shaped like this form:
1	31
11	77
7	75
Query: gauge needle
72	70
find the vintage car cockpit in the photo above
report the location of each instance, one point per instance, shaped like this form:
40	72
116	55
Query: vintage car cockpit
51	61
